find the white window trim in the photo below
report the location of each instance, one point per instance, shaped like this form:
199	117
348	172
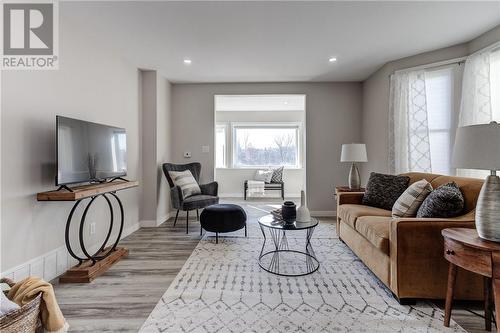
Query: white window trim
231	144
227	148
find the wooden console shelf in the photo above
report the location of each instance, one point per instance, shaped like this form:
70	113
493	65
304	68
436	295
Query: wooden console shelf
85	191
86	272
90	265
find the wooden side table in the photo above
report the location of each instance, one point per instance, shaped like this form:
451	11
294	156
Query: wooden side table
341	189
464	248
347	189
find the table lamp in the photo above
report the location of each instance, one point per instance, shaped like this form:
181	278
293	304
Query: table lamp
478	147
354	152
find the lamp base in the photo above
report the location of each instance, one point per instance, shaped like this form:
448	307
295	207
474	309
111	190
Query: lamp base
488	209
354	178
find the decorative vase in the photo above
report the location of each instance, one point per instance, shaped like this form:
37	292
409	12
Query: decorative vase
488	208
288	211
303	214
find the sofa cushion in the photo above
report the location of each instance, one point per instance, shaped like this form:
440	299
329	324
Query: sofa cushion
376	230
349	213
445	201
408	203
382	191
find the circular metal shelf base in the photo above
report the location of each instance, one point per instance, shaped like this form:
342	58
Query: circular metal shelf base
278	266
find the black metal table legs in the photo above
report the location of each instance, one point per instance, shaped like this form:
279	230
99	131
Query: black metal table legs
282	250
98	255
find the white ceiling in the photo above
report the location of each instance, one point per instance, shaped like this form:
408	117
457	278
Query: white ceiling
278	41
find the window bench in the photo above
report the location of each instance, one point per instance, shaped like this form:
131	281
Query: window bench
267	187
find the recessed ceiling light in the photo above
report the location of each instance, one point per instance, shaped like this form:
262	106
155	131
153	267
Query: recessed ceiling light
187	61
332	59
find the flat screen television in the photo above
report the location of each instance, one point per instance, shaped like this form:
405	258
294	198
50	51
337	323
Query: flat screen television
89	152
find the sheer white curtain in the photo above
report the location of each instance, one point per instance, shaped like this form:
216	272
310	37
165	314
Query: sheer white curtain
409	129
475	107
478	94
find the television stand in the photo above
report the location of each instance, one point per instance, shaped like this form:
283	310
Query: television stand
117	178
64	187
91	265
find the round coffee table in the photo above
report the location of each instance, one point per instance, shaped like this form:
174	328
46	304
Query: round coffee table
281	260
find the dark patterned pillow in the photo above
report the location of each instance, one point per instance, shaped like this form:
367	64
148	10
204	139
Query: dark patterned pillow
382	191
445	201
277	175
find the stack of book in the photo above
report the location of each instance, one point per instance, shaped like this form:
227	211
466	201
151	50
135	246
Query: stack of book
277	214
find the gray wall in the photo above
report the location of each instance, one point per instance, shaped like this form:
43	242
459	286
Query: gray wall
163	147
148	102
333	117
155	129
375	124
92	84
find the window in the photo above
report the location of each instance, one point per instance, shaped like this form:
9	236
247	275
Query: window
439	95
266	145
422	119
259	131
221	146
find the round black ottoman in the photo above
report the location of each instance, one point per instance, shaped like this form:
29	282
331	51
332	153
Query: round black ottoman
223	218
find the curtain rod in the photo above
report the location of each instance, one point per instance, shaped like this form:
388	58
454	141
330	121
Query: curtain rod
432	65
450	61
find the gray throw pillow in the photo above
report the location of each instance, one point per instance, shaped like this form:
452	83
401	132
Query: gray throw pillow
382	191
187	183
277	175
445	201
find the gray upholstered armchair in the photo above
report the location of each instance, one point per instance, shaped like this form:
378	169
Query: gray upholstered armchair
207	197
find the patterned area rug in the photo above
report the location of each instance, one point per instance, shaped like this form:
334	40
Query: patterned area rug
221	288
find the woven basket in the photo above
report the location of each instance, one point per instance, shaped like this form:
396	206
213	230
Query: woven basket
23	320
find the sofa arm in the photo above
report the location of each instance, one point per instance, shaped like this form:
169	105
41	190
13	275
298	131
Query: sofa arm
210	189
349	198
417	265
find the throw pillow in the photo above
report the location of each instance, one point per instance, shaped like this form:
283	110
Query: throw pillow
382	191
445	201
187	183
408	203
6	305
264	175
277	175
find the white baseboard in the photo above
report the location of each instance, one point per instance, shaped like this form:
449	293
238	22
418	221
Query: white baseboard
165	217
148	223
155	223
323	213
53	263
230	195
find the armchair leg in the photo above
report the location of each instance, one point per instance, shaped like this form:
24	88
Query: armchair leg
245	230
187	222
201	230
197	215
216	238
176	216
283	191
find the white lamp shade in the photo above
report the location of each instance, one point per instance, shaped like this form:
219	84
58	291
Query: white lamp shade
477	147
353	152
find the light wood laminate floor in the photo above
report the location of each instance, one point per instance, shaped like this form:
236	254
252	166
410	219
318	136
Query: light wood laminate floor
122	298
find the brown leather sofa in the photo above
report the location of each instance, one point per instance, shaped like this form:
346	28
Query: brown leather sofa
406	254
